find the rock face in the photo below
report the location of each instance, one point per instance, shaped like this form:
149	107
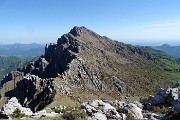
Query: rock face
165	95
43	113
100	109
168	98
108	110
82	60
176	105
34	92
98	116
134	110
162	96
12	105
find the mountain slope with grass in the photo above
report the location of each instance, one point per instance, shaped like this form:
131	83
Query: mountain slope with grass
84	65
167	63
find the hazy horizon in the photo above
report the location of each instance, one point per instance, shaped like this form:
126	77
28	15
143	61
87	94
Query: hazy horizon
137	42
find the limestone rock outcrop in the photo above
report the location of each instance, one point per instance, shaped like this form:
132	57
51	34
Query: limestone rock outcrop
43	113
98	109
176	105
162	96
12	105
35	92
165	99
134	110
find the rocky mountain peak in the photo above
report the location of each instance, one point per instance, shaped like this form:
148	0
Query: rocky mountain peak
77	31
83	31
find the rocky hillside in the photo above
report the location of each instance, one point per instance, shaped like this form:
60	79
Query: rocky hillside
84	65
166	62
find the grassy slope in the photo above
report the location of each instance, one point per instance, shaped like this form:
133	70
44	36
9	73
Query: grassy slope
108	59
169	64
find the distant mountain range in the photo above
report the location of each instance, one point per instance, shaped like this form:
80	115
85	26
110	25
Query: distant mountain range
10	63
13	56
171	50
22	50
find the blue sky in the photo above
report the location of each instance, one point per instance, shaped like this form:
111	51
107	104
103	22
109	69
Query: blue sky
129	21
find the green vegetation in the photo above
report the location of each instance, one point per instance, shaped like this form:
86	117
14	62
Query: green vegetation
15	56
7	64
17	114
169	64
160	110
60	111
75	115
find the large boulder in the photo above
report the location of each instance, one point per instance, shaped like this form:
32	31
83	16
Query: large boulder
138	104
113	114
98	116
176	105
44	113
165	96
102	110
159	98
92	106
134	110
173	92
35	92
12	105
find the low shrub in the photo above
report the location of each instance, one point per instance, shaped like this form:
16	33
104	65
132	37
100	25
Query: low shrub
75	115
160	109
130	117
17	114
60	111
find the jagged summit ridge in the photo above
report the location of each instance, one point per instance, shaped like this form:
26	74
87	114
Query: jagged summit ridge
83	35
77	31
83	31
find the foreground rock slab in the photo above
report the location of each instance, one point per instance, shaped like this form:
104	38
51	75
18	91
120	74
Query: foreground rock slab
134	110
12	105
108	110
43	113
